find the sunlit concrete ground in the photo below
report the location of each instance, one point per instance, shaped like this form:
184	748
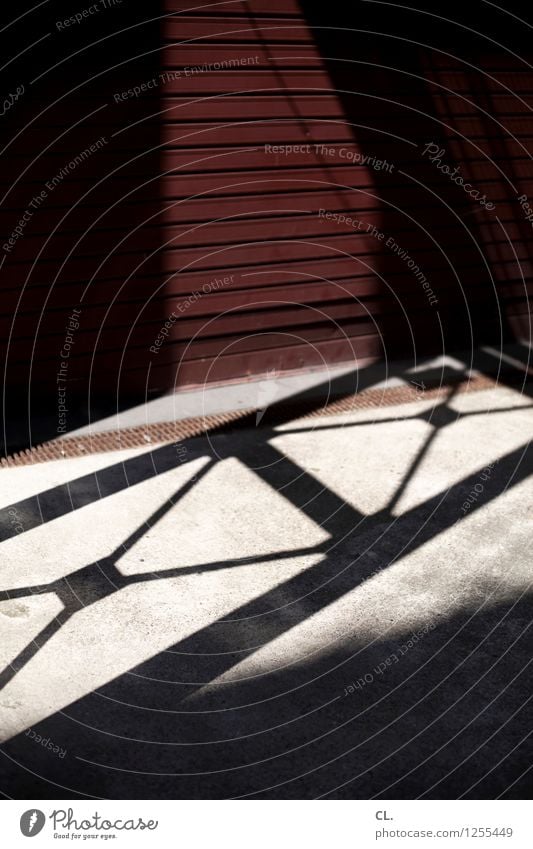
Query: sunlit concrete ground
335	606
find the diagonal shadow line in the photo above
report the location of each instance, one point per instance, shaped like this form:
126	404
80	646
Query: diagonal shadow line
94	582
433	419
62	499
87	585
519	379
513	468
423	416
65	498
161	574
161	511
309	495
55	502
288	479
31	649
217	565
412	529
100	589
301	488
311	591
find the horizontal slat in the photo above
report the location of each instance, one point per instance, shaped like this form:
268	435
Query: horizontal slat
236	57
250	7
229	315
150	277
218	28
291	131
167	229
181	254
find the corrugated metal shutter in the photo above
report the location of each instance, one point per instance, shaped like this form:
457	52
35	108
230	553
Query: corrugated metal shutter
305	289
186	209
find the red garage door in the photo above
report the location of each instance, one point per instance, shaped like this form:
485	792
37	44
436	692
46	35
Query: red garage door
219	197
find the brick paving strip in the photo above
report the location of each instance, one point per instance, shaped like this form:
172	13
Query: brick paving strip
162	432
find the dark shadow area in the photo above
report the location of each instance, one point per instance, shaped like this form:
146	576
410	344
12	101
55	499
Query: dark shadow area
82	291
453	708
437	254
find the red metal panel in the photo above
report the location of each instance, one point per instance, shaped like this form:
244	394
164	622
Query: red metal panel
185	191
